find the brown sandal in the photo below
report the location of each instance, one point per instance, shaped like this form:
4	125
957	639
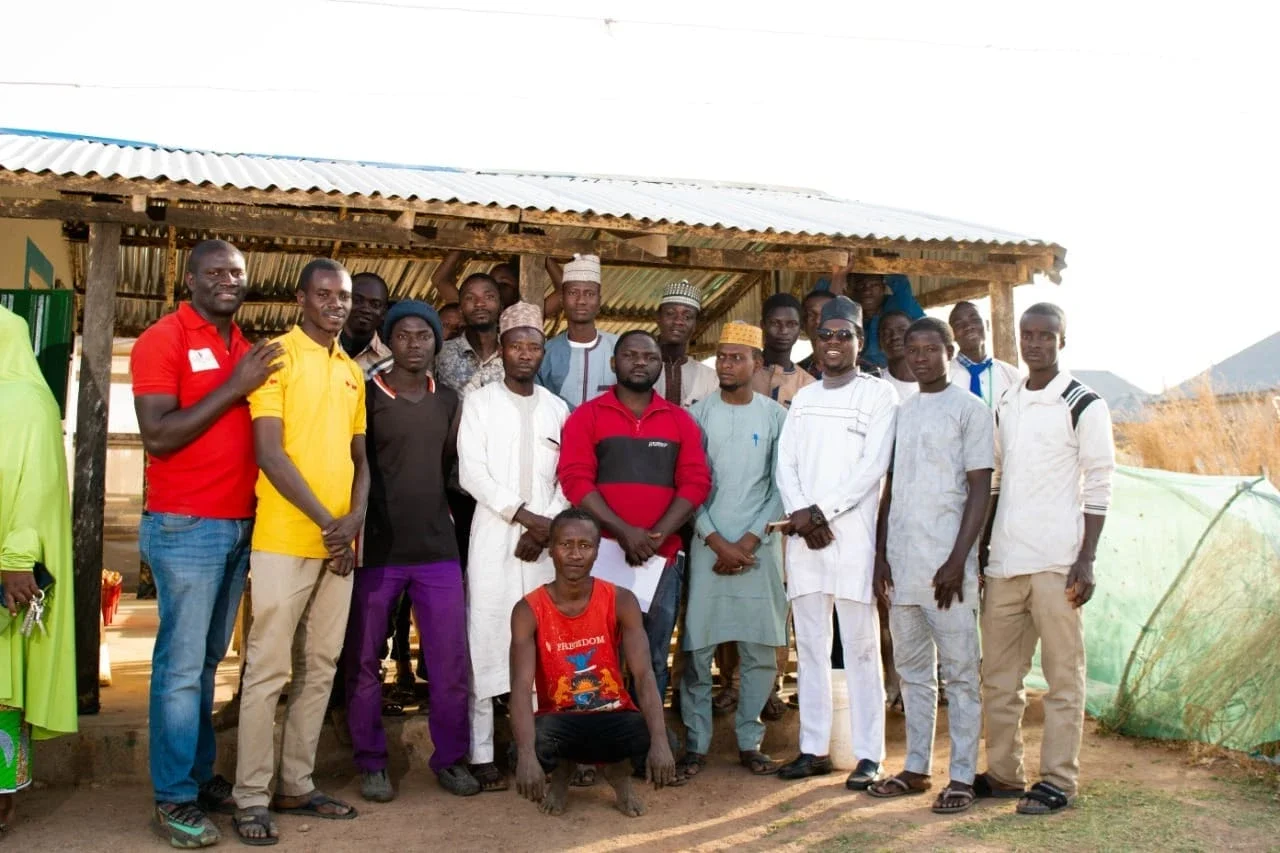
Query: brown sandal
953	800
689	766
896	786
757	762
490	777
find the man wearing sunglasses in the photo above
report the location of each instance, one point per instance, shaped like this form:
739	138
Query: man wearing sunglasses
833	453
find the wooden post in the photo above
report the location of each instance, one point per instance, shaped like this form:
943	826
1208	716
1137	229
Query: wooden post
89	493
784	281
534	279
1004	331
171	270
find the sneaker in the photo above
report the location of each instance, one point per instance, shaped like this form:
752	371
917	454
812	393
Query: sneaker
184	825
215	796
376	787
457	780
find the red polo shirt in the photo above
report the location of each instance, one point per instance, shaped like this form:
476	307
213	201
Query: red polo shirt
182	355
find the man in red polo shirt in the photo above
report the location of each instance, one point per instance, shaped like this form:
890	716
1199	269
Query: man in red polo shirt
191	373
636	463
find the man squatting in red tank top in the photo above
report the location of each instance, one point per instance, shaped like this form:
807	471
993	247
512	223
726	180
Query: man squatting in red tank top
569	639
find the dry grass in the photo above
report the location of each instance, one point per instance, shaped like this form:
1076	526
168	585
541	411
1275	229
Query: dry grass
1204	434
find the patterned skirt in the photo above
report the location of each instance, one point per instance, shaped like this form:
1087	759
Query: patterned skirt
15	751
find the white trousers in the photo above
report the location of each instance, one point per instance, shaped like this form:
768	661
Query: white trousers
860	637
481	730
482	727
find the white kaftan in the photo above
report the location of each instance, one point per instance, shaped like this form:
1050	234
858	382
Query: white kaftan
834	451
508	447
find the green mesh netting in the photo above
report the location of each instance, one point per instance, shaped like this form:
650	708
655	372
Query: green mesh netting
1183	633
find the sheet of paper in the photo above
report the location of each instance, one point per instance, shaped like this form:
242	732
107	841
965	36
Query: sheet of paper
611	565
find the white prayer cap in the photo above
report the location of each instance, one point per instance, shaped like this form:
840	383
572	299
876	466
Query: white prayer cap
583	268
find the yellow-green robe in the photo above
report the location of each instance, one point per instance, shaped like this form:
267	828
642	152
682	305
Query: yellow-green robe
37	673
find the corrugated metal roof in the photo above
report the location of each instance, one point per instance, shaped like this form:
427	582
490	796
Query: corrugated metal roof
758	209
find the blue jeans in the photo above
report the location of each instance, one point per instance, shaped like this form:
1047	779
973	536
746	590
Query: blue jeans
660	621
199	566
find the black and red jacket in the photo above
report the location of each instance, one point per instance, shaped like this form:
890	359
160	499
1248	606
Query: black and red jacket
639	466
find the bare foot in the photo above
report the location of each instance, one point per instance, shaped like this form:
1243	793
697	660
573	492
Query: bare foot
619	776
558	791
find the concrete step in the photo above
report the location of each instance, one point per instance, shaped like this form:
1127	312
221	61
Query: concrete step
111	754
119	754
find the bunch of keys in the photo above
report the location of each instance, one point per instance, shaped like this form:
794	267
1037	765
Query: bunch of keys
35	615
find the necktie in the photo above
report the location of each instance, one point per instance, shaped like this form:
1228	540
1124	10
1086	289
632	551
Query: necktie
976	369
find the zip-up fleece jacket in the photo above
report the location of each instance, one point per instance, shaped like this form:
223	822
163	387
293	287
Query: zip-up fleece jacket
639	466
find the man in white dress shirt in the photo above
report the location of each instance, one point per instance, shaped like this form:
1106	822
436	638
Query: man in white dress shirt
832	456
984	376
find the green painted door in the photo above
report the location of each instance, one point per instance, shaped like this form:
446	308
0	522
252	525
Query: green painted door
50	314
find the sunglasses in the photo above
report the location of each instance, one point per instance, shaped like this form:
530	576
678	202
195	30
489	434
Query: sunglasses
842	335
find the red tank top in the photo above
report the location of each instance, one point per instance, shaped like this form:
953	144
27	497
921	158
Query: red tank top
579	668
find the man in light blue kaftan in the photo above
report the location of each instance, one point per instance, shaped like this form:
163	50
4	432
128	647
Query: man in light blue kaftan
735	579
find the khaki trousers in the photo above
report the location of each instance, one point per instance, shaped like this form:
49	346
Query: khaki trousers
1016	612
299	621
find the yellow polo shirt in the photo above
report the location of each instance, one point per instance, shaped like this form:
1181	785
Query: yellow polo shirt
319	396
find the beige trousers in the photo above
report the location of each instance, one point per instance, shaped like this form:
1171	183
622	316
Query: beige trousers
1016	612
299	622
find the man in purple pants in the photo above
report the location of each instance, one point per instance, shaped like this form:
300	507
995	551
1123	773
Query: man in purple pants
409	546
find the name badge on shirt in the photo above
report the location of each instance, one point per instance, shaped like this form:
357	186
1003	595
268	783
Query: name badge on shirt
202	359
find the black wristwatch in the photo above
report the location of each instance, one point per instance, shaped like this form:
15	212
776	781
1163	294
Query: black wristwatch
817	516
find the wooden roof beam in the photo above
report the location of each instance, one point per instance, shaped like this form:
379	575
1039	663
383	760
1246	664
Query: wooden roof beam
178	191
248	220
953	293
717	232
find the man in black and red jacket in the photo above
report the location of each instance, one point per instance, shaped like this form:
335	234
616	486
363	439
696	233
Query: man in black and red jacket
636	463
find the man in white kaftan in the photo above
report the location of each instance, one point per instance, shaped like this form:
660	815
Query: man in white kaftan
508	447
832	456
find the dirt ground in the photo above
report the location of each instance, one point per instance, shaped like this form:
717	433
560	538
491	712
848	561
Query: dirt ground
1137	795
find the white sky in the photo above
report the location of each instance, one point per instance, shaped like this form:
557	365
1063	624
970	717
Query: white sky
1141	136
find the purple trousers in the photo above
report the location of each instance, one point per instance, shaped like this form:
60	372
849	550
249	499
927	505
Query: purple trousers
436	593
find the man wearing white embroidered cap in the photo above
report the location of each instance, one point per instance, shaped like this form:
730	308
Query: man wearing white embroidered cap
508	448
577	362
683	381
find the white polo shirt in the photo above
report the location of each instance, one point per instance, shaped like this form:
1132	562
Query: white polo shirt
1054	460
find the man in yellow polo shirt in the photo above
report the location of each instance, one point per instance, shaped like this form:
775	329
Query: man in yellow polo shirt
308	432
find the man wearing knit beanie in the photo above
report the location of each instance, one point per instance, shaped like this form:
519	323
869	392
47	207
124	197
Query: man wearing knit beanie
508	447
410	547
